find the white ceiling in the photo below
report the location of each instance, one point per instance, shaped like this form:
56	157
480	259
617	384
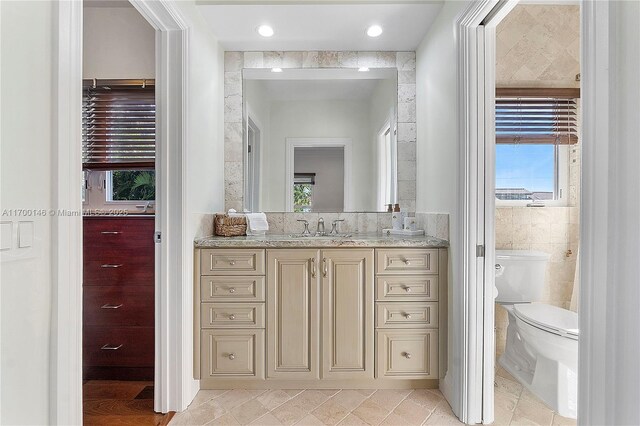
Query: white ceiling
321	26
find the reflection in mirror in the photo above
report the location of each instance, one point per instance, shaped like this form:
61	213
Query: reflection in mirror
320	140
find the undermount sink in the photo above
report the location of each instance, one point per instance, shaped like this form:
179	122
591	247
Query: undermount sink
327	236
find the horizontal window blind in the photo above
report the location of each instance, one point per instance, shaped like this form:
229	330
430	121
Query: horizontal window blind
536	120
118	127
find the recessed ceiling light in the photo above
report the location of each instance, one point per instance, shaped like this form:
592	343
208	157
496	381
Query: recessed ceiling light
265	30
276	69
363	69
374	31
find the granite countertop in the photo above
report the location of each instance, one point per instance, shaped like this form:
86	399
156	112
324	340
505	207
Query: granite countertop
355	240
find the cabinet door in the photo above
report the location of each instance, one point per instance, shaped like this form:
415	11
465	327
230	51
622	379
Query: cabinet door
347	314
293	313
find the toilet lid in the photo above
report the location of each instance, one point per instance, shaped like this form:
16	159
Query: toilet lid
550	318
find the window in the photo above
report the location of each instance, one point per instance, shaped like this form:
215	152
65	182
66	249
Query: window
131	185
303	191
533	135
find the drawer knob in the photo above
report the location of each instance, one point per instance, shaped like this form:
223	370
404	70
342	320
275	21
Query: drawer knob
232	262
407	289
232	317
109	347
232	290
407	355
232	356
407	316
109	306
111	265
407	262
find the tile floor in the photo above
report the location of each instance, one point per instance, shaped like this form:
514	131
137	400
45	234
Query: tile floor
318	407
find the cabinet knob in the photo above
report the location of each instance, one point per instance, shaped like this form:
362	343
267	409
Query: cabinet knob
232	262
232	290
407	316
232	317
407	355
407	262
232	356
407	289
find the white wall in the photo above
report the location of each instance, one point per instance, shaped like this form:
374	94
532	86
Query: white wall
328	165
438	151
25	291
321	119
118	43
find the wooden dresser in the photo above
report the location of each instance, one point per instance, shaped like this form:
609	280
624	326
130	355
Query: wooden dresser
118	299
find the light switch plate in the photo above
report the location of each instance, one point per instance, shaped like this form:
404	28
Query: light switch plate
6	235
25	234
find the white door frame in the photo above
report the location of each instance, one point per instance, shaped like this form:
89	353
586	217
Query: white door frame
172	383
293	143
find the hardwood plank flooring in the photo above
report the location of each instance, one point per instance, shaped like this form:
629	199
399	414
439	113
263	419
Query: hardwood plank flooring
109	402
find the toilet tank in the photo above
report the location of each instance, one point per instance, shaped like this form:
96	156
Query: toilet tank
520	275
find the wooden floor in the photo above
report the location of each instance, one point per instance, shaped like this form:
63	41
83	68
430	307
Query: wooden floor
120	403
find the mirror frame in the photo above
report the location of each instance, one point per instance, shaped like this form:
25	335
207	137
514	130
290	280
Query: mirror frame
235	62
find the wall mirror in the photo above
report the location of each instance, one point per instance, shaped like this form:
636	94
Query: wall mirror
320	140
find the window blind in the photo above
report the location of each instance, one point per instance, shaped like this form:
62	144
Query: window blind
118	125
536	120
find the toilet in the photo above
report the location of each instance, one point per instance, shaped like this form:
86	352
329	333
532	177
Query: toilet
542	340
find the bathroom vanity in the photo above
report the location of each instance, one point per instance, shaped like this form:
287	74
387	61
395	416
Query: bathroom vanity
364	311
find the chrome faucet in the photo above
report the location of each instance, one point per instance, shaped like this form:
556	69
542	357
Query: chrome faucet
334	227
320	229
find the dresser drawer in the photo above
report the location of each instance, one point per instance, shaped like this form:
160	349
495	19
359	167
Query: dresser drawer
232	289
119	305
232	262
406	314
118	346
407	354
232	315
406	261
123	233
125	268
234	354
407	288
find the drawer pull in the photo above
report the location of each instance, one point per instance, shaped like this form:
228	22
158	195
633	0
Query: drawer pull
232	262
407	355
407	262
232	317
232	290
324	267
111	265
232	356
108	306
313	267
407	316
111	232
109	347
407	289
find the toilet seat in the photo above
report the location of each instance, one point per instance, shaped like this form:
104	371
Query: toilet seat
549	318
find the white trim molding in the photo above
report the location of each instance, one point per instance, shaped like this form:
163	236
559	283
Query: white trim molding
66	239
293	143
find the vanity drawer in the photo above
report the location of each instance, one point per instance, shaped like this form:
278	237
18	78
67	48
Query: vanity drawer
119	232
406	314
232	315
231	289
118	346
232	262
234	354
407	354
406	261
407	288
118	305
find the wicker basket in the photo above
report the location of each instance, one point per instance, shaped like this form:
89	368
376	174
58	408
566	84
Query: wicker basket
228	226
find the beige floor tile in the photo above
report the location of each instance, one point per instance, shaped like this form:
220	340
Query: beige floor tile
393	420
206	412
330	412
291	411
558	420
366	392
226	420
425	398
504	404
249	411
528	412
267	420
443	416
311	398
234	397
310	420
412	412
349	399
292	392
370	412
508	386
274	398
352	420
389	398
207	395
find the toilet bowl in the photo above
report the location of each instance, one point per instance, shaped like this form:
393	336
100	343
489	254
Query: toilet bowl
541	351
